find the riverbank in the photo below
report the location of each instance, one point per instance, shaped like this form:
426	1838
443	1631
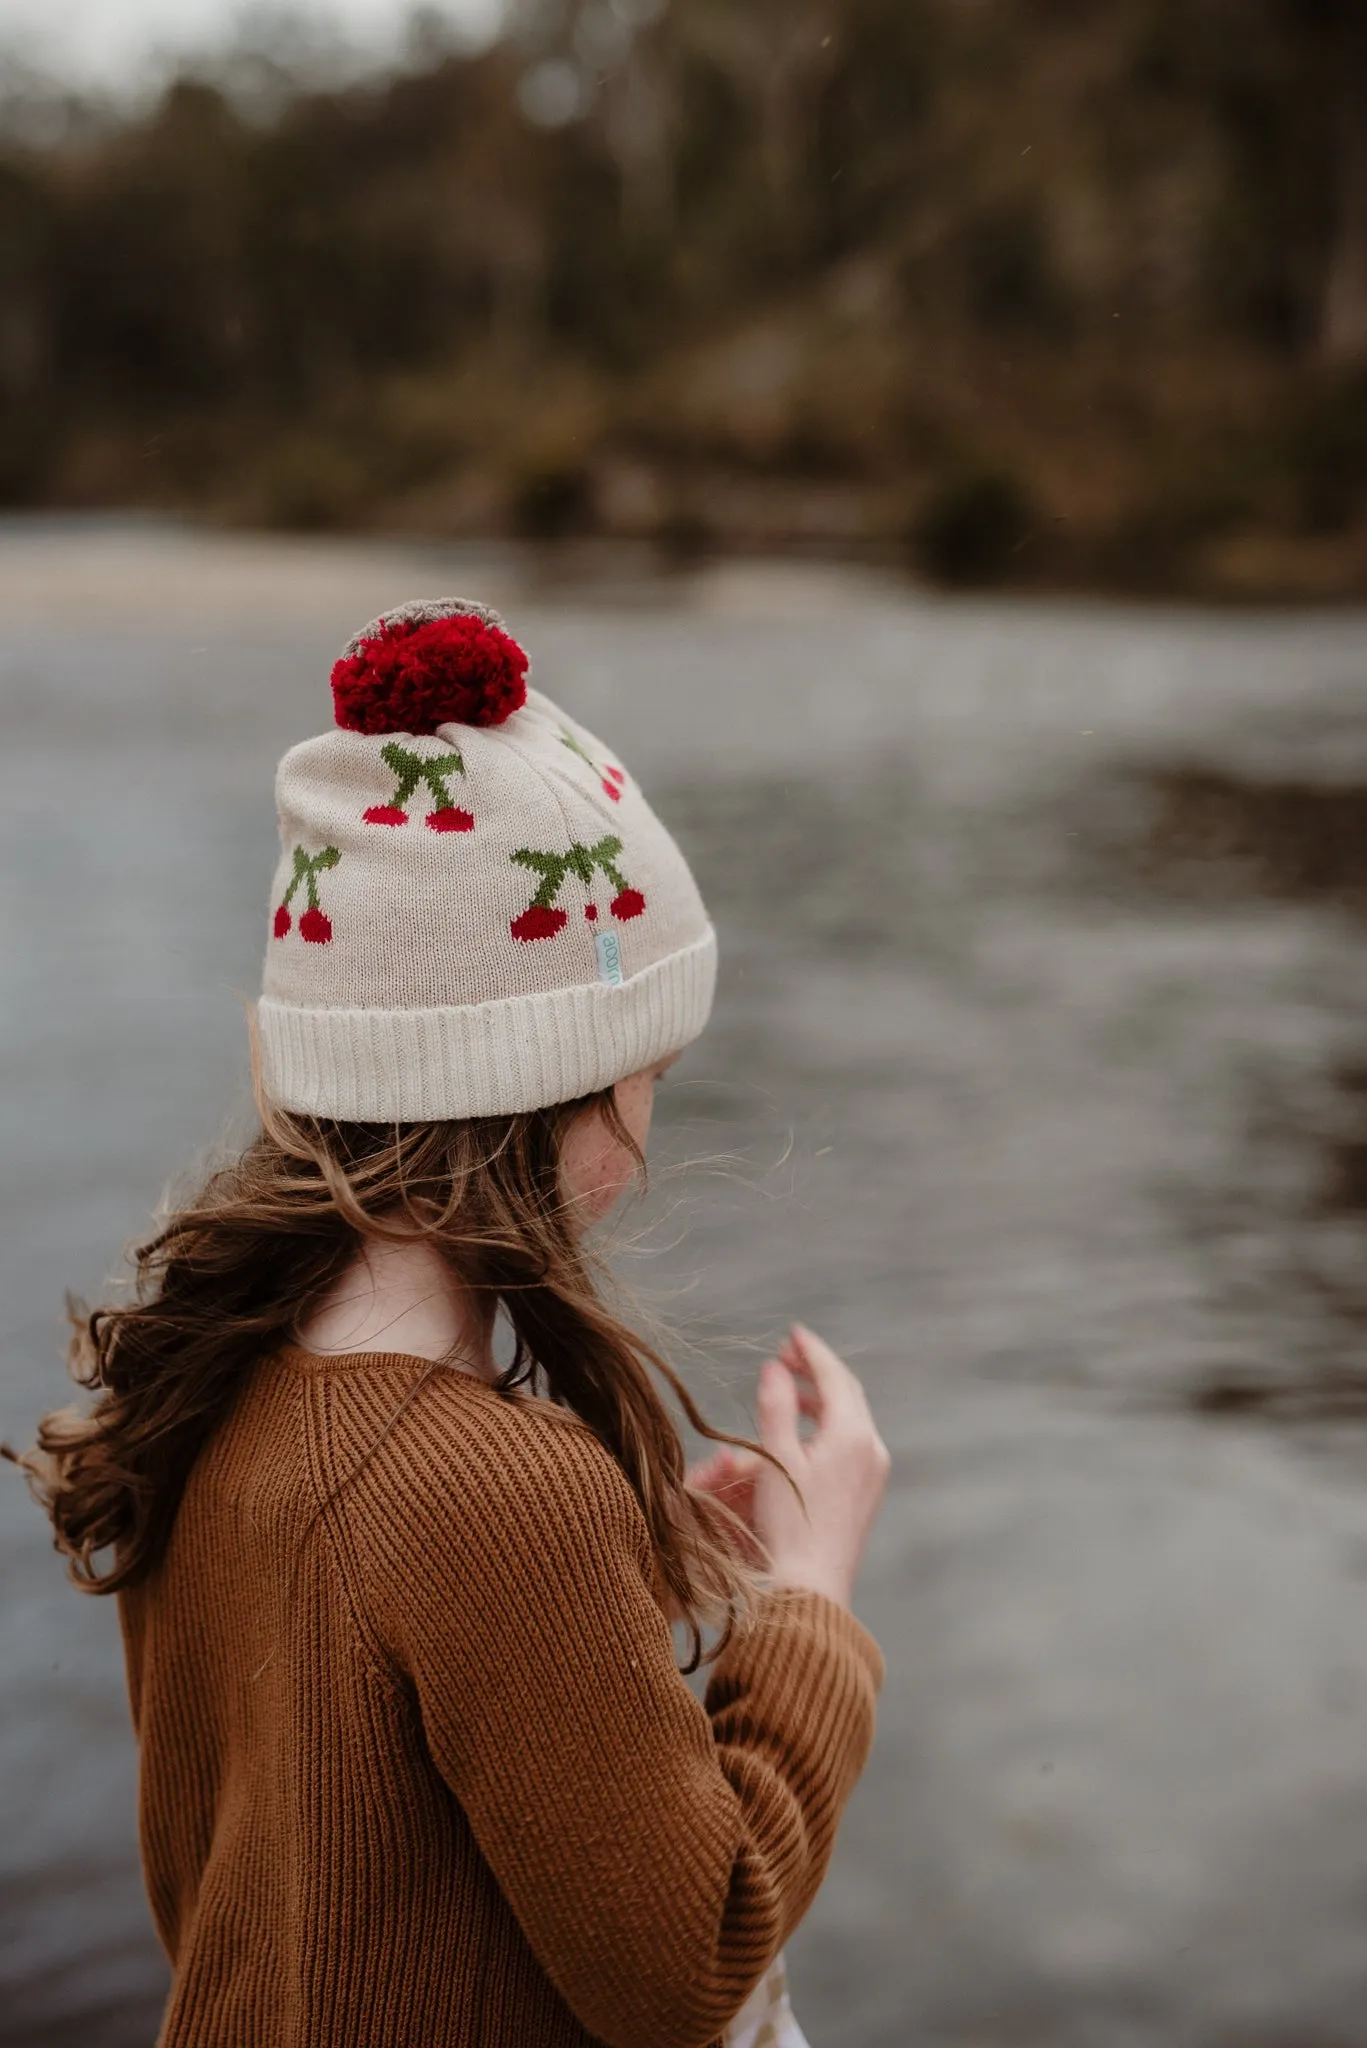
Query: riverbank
1073	301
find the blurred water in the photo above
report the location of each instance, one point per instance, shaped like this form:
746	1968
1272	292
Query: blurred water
1038	1088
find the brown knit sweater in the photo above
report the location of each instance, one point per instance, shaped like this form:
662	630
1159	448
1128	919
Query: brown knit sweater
418	1768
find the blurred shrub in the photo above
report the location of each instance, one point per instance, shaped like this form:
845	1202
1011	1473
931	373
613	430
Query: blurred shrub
1326	454
310	483
551	499
686	534
972	528
1011	284
1161	542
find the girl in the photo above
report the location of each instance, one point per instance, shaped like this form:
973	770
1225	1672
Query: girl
419	1769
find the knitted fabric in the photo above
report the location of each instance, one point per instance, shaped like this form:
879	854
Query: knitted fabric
475	918
417	1766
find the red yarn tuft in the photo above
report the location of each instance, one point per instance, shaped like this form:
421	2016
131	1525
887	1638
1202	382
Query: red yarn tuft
414	677
540	922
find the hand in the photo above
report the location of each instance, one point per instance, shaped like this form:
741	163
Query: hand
729	1476
815	1540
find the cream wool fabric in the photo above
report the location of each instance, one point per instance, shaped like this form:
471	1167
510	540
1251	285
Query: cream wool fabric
412	973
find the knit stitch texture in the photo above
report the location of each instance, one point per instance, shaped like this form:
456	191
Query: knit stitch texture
473	918
418	1767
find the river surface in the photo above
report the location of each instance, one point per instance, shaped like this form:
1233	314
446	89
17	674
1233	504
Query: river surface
1038	1081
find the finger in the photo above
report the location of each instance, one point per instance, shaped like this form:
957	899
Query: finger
810	1395
739	1497
809	1401
744	1464
736	1477
776	1406
834	1381
707	1476
849	1379
739	1504
792	1357
799	1363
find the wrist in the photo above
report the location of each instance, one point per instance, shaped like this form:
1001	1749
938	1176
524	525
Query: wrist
811	1579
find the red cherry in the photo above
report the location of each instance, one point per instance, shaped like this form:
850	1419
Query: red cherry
615	773
315	927
283	921
386	814
591	912
540	922
450	820
629	904
611	789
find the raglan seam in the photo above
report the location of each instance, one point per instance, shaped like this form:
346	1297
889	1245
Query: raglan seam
332	1515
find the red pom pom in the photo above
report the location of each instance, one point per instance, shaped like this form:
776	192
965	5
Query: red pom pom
413	676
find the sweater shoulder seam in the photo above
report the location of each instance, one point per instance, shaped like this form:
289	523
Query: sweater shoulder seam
331	1513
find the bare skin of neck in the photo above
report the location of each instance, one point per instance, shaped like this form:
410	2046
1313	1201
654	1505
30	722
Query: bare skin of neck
402	1297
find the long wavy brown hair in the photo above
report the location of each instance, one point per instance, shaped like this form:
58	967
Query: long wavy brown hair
237	1270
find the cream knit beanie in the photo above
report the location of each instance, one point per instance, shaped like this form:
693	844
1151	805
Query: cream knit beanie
475	911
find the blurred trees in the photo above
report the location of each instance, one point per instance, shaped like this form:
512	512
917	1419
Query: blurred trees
739	271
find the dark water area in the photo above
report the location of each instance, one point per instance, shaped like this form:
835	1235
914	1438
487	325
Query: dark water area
1215	832
1218	836
1038	1081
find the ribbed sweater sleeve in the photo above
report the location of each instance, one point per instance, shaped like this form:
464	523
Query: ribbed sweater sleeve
656	1851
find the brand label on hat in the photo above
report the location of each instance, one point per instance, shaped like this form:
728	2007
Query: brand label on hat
609	952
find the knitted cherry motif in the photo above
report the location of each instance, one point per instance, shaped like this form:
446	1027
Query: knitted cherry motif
543	918
539	921
430	769
610	779
314	923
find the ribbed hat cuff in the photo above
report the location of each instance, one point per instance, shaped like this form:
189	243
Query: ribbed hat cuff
482	1059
